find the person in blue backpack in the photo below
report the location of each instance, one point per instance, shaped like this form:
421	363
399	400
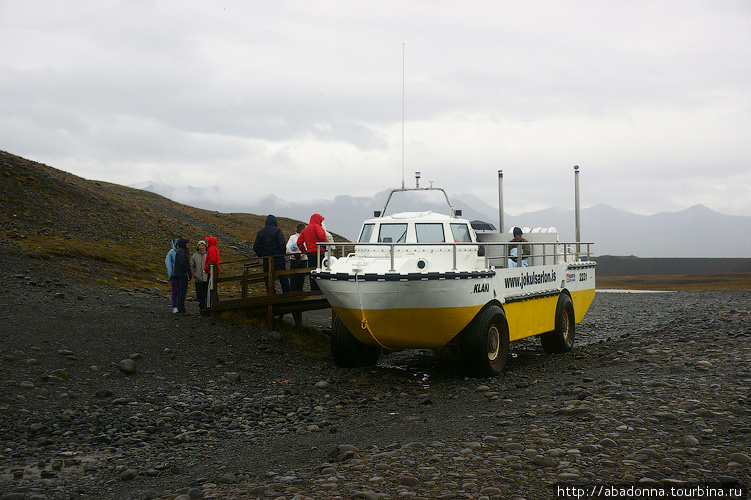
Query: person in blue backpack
169	261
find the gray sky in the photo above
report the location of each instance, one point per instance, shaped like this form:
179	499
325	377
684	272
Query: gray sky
303	99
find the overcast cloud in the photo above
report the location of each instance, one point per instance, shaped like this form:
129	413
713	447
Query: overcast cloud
303	99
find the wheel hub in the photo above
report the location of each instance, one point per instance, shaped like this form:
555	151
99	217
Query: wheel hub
565	327
494	343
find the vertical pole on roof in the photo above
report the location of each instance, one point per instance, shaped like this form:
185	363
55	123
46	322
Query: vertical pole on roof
402	116
500	201
576	209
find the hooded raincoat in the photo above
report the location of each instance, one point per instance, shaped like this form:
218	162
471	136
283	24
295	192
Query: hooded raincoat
311	236
182	260
181	272
212	255
201	278
169	261
270	241
198	261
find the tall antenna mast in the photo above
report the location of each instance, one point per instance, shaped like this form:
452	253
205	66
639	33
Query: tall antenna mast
402	116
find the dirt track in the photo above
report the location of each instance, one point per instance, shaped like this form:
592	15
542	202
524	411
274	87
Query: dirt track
656	389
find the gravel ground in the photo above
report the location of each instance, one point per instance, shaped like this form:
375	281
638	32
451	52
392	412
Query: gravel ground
106	394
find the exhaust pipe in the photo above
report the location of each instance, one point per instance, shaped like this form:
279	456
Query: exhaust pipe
500	201
576	211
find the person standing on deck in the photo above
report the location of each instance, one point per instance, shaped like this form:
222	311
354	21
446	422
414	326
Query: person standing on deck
513	250
270	241
298	260
308	243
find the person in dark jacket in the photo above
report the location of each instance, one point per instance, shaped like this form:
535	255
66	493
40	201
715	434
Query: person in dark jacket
270	241
182	273
521	243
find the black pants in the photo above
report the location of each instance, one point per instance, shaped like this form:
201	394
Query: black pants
279	265
181	294
297	281
312	263
202	288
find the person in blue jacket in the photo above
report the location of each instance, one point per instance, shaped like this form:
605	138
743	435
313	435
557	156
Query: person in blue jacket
270	241
170	263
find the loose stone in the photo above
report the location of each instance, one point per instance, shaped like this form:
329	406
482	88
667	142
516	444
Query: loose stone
127	366
741	458
128	474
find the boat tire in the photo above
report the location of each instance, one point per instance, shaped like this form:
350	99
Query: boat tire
562	338
348	352
485	343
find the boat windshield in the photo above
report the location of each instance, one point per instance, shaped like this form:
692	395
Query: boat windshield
392	233
461	233
367	232
429	233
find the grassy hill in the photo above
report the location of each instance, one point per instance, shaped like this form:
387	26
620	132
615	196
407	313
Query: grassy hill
116	236
106	233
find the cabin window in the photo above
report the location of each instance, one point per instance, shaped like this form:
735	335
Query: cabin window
367	232
392	233
461	233
429	233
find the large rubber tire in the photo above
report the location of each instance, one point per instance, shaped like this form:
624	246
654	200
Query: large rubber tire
348	352
562	338
485	343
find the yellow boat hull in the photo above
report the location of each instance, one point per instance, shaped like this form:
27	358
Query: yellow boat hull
415	325
396	329
429	328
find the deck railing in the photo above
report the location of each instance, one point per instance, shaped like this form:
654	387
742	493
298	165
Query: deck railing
236	282
552	252
238	277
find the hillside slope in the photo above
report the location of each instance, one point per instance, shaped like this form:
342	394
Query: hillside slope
106	232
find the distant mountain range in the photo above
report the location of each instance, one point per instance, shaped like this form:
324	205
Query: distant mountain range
695	232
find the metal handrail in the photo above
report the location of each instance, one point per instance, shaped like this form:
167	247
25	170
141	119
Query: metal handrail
392	247
403	189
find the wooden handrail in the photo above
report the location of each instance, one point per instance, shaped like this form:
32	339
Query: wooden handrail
252	273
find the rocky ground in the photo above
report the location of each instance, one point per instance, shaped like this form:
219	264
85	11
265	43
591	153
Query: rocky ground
106	394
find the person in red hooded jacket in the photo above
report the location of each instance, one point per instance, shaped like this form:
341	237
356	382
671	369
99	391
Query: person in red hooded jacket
212	257
308	241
